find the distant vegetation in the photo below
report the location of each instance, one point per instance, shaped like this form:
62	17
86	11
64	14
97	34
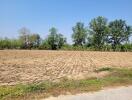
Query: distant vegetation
99	35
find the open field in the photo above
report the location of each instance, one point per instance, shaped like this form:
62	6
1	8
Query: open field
30	66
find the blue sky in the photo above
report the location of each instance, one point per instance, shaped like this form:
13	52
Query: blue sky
40	15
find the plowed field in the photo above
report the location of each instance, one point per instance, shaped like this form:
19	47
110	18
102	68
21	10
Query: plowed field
27	66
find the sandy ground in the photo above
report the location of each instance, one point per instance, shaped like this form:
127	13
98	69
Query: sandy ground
29	66
121	93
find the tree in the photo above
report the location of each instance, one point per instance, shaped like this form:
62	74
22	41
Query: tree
45	45
79	34
24	37
61	40
119	33
97	32
5	43
34	40
54	40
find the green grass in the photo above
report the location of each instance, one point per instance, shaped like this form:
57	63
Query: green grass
103	69
115	78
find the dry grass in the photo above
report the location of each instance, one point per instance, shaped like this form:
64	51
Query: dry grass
116	77
30	66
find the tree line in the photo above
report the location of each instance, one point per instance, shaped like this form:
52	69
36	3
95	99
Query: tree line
100	35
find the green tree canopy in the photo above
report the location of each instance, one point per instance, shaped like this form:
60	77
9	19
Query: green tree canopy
119	32
61	40
97	32
52	38
55	40
34	40
79	34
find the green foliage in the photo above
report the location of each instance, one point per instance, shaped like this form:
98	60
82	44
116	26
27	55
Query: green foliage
55	40
79	34
103	69
45	45
115	77
97	32
29	40
119	33
67	47
61	41
34	41
99	36
10	44
127	47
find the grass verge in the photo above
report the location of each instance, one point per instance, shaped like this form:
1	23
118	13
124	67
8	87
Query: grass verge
116	77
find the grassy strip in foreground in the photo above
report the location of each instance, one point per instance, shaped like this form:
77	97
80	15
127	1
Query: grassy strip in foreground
31	91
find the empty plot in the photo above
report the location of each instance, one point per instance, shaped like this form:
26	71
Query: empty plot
27	66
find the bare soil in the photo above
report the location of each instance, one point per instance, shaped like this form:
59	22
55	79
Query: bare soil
28	66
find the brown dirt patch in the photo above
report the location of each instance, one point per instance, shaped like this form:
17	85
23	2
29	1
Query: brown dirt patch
27	66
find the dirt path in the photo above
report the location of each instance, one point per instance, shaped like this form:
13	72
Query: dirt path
121	93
